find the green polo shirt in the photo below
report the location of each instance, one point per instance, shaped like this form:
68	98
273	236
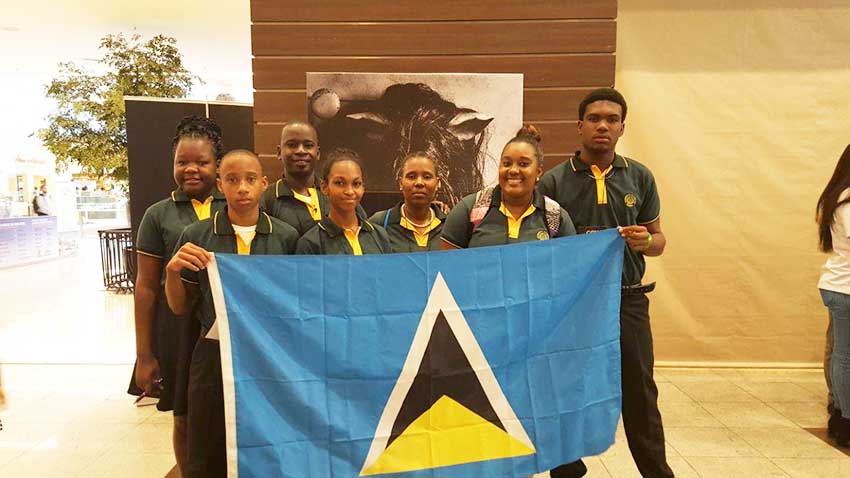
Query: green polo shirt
493	228
632	200
402	238
329	239
280	202
216	234
165	220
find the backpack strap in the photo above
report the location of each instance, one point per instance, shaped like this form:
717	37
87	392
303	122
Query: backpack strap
483	201
553	216
387	218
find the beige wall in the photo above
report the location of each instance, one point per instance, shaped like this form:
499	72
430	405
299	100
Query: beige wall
741	109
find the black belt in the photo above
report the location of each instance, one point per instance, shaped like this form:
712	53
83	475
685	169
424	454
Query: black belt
638	288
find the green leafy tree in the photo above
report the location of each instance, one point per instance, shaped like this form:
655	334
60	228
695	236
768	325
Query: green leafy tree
89	127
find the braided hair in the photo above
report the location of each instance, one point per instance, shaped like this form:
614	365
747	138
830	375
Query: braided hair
198	127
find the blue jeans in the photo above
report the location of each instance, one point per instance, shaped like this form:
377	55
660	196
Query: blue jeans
839	306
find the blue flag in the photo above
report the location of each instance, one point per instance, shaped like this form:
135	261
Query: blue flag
488	362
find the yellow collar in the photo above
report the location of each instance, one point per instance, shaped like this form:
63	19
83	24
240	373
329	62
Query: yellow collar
311	201
423	236
514	223
202	209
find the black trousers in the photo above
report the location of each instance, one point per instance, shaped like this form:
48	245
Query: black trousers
641	418
207	448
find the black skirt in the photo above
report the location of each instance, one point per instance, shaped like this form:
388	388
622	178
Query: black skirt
173	356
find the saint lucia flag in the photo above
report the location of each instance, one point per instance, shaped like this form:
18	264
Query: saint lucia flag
489	362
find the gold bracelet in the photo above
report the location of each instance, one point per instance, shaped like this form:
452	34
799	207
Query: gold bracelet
649	241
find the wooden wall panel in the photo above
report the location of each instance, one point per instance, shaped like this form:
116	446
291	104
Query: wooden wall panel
559	137
445	38
405	10
540	71
564	48
539	104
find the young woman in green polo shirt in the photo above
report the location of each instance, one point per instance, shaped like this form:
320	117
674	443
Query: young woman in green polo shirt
414	225
513	211
163	342
343	230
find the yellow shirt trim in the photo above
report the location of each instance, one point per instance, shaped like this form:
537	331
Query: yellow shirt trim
421	237
514	223
202	209
354	240
312	203
242	248
599	176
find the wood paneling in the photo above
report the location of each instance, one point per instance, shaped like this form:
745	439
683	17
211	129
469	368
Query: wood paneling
539	104
559	137
446	38
539	70
564	48
348	10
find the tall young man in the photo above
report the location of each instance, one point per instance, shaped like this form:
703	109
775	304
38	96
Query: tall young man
601	189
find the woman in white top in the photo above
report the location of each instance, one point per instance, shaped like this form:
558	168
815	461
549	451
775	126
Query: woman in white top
833	217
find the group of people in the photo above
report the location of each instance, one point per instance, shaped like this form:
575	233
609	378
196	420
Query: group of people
224	203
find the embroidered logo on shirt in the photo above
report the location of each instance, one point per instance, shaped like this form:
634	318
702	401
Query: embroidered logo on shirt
542	235
630	200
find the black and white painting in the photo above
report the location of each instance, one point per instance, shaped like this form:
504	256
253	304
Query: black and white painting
461	120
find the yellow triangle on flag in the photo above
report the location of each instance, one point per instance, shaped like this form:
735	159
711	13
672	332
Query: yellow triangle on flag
446	434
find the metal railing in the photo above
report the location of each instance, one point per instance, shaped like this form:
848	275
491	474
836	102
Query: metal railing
118	259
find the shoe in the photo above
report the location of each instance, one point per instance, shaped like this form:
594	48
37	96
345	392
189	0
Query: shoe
575	469
842	433
832	424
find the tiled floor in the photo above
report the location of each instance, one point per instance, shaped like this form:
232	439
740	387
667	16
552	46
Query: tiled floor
75	421
71	421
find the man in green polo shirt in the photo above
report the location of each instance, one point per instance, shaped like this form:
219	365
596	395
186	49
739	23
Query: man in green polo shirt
601	190
294	198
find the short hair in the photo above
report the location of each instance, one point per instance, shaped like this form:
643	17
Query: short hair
297	122
417	154
338	155
240	152
198	127
602	94
529	134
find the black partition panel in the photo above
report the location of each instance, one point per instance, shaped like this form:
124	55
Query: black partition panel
151	125
236	123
